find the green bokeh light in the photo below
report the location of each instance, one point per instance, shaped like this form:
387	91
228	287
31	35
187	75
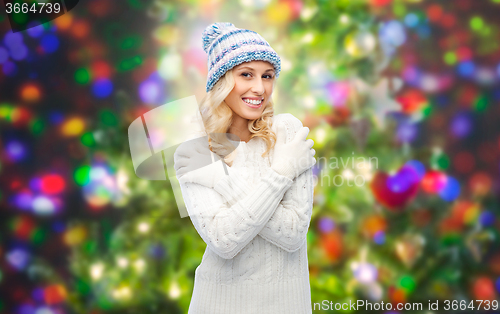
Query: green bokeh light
476	23
88	139
82	175
130	63
37	126
82	76
407	283
450	58
480	103
108	117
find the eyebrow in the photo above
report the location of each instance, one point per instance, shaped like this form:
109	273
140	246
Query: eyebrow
270	69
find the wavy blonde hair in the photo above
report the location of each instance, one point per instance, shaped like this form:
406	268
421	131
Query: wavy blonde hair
217	117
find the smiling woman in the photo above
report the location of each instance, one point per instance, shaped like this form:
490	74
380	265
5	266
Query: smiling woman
254	218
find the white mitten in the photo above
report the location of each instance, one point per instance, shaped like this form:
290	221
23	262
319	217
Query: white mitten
194	162
207	175
293	158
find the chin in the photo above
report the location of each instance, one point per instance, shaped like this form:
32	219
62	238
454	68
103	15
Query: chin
251	115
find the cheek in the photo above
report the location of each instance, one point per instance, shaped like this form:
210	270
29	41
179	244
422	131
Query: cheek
234	103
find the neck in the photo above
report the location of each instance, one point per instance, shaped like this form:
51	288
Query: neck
239	127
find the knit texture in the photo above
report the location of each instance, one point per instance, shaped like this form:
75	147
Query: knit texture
228	46
254	222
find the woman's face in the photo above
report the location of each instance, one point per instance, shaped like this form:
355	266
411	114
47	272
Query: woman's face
254	83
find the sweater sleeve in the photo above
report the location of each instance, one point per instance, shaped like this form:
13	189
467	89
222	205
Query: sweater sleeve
288	226
227	229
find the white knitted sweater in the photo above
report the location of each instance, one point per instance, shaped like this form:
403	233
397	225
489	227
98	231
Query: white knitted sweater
254	222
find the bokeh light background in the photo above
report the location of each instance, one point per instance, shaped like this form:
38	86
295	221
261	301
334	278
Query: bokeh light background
414	83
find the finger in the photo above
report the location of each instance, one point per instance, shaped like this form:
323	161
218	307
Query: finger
180	172
313	152
182	162
309	143
203	148
281	136
185	149
302	134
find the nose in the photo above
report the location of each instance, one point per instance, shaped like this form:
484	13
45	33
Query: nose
258	87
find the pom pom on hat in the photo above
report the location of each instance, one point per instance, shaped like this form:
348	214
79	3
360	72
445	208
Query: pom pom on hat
213	31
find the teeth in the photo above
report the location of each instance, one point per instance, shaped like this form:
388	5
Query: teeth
252	102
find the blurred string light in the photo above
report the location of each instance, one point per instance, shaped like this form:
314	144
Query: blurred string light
123	292
406	132
485	76
338	93
379	237
152	90
83	76
23	200
143	227
174	292
139	265
75	235
4	55
257	4
99	186
54	294
411	20
170	66
122	262
44	205
43	198
9	68
31	92
403	180
18	258
15	45
466	69
35	31
102	87
417	166
391	35
451	190
434	181
326	224
100	70
73	127
461	124
364	272
319	76
360	43
49	43
96	270
55	117
23	227
16	150
487	218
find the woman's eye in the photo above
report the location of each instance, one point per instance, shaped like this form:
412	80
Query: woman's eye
266	75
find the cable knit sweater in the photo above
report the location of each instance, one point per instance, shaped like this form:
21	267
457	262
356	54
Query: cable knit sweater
254	222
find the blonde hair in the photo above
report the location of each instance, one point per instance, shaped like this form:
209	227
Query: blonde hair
217	117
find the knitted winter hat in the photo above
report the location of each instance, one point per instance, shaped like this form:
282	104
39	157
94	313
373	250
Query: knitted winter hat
228	46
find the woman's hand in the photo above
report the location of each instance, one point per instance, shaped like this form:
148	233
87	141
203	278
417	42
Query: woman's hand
291	159
193	163
191	155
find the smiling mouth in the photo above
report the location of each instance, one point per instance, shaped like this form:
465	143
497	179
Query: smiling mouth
253	103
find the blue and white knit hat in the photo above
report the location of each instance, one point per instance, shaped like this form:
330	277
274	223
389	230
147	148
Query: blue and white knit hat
228	46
